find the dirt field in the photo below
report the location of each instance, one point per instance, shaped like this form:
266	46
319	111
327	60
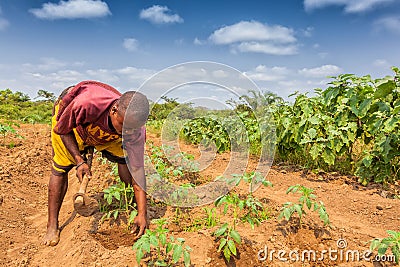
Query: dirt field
358	214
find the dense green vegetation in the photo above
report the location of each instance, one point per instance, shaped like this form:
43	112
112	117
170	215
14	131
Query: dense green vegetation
18	106
353	126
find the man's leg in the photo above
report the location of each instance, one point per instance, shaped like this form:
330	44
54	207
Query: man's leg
58	186
124	174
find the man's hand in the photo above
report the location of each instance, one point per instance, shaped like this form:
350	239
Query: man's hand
141	223
82	170
71	144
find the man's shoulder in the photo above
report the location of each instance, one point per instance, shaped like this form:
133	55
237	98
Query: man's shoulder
92	93
89	97
94	87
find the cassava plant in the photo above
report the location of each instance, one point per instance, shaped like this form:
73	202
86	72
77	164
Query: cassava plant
383	244
306	200
119	200
249	210
163	250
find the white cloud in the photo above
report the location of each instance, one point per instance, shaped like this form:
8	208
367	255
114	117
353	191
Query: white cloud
252	31
46	64
159	15
285	81
197	41
323	55
179	41
382	63
321	72
253	36
267	48
3	24
391	24
72	9
308	31
136	73
350	6
264	73
219	74
131	44
54	75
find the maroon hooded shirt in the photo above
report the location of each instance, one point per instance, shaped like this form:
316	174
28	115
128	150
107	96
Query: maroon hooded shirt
86	108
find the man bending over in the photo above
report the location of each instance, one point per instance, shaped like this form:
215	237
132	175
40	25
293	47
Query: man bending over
92	114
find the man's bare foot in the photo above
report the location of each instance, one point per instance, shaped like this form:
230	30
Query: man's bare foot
52	237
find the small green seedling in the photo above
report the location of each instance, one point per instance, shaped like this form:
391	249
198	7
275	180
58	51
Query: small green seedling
307	199
392	242
119	199
162	252
249	210
212	218
254	211
7	129
252	178
228	238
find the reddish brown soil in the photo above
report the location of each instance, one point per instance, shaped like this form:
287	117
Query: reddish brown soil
358	214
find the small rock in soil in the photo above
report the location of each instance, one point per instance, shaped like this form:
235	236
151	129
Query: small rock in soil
379	207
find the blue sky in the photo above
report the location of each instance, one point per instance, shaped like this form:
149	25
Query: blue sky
283	46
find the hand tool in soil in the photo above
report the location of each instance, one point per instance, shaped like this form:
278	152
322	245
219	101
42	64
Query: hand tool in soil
83	204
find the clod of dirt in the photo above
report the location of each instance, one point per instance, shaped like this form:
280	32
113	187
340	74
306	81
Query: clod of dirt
114	237
88	207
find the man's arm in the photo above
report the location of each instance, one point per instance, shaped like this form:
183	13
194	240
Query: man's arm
71	144
139	186
134	147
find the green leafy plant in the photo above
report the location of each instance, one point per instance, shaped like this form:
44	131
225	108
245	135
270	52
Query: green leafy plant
352	126
176	167
163	251
228	238
254	211
249	210
252	178
8	129
236	130
227	234
306	200
212	218
383	244
119	199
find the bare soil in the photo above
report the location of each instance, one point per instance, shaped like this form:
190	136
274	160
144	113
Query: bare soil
358	214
